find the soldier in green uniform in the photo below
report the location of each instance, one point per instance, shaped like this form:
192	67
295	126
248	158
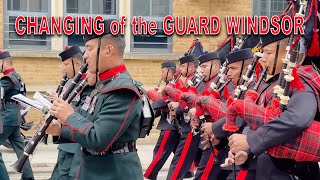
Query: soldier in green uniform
11	84
109	131
69	156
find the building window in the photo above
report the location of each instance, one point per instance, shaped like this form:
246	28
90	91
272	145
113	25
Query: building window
32	8
106	8
152	10
268	7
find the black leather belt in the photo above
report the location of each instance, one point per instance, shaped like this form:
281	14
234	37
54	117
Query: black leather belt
10	102
116	148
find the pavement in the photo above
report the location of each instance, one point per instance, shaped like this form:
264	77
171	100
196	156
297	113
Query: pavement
46	155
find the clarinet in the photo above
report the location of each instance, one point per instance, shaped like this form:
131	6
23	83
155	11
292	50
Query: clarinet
29	149
59	89
78	89
61	85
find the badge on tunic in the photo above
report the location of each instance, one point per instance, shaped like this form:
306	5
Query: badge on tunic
86	103
93	104
76	99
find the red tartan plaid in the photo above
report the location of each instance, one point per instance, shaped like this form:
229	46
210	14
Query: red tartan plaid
213	106
311	76
189	99
179	84
252	113
171	93
304	147
153	95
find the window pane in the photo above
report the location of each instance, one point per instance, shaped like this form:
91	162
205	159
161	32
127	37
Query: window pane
160	8
17	5
78	6
75	40
38	5
160	40
107	7
84	6
15	39
72	6
141	7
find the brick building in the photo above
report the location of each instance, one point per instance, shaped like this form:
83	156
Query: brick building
36	57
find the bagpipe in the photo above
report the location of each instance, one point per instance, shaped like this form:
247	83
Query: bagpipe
306	145
209	101
176	85
225	47
196	48
67	95
58	91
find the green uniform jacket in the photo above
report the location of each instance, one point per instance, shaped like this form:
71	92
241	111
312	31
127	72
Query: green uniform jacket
10	113
114	116
77	101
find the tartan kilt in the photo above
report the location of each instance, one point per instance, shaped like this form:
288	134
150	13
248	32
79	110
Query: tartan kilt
304	147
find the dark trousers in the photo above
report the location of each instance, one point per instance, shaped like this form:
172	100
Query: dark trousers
276	169
166	144
3	170
184	156
243	175
13	134
65	163
207	167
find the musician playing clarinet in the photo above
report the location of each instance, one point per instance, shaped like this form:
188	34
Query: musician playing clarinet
108	132
298	115
69	155
11	84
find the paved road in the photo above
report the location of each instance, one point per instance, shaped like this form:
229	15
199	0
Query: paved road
46	155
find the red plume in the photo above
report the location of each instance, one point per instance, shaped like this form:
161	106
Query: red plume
296	83
66	47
